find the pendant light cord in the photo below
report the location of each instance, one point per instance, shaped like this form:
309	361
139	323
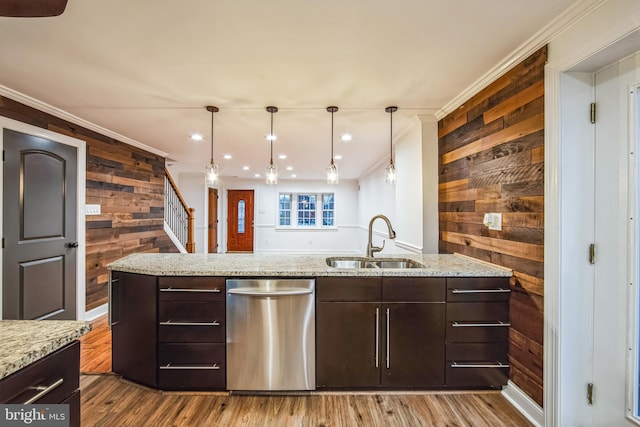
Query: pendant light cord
271	140
391	136
212	137
332	136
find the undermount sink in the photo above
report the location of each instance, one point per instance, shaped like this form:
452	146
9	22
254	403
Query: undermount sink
359	262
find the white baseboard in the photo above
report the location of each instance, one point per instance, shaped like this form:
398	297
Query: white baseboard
524	404
96	312
174	238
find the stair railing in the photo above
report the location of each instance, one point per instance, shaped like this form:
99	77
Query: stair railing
178	216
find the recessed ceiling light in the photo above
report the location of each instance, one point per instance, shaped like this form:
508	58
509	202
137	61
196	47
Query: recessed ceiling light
346	137
338	156
257	175
245	168
196	137
282	156
293	175
227	156
289	168
271	137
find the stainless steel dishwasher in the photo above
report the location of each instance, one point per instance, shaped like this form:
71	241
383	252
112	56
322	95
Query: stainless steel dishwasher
271	334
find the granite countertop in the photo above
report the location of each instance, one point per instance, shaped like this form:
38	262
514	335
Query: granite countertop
293	265
26	341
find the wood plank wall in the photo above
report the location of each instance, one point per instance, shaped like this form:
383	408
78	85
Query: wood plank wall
491	159
128	184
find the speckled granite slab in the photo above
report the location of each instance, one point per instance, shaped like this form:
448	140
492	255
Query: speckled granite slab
23	342
291	265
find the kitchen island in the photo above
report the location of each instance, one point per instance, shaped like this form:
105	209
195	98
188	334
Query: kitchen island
40	363
430	322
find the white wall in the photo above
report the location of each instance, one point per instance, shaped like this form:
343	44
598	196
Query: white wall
430	223
193	190
268	238
401	203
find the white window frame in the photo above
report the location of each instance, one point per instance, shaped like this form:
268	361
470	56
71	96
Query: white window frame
318	212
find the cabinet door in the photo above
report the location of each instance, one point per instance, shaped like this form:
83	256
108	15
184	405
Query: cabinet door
413	354
348	336
134	327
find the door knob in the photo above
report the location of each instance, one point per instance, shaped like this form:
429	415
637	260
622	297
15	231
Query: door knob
72	245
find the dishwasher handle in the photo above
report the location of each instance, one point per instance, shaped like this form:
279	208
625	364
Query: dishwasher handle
252	292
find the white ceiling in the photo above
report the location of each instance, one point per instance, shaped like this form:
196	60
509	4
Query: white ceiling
146	69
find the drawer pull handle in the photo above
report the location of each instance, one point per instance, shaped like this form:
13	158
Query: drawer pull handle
172	323
480	325
43	391
169	366
214	291
480	291
479	365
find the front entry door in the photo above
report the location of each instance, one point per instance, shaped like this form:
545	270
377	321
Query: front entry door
240	221
213	220
39	223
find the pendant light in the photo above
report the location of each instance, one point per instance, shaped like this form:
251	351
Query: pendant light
211	171
272	170
390	170
332	169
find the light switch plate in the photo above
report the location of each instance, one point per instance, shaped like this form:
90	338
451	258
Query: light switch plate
493	221
92	210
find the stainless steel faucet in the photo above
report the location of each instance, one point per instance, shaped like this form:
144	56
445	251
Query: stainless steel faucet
392	235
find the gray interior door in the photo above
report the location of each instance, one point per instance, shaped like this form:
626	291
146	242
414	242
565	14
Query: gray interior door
39	228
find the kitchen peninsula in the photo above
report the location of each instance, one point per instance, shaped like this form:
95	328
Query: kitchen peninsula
391	322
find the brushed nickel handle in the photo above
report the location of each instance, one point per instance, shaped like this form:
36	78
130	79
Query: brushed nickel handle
480	325
479	365
172	323
43	391
215	291
480	291
169	366
377	335
282	293
388	355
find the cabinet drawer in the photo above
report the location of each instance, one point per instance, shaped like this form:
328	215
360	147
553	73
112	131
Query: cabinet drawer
192	367
198	289
476	375
473	352
466	289
192	331
477	332
478	312
74	408
347	289
414	289
56	376
192	312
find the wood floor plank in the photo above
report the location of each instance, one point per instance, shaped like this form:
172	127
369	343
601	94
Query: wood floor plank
108	400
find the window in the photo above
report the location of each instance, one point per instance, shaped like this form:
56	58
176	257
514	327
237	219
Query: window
306	210
284	210
241	217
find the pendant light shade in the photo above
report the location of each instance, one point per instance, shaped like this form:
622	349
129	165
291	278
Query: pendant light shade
271	171
332	169
211	170
390	170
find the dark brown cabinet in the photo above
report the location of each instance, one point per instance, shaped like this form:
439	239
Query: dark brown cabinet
192	333
477	332
380	332
134	326
169	332
54	379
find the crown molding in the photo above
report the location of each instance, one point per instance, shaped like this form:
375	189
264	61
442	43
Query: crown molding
569	17
64	115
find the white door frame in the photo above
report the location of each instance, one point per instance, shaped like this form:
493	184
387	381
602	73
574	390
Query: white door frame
6	123
611	22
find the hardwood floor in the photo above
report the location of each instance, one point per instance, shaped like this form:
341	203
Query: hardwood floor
95	348
109	401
